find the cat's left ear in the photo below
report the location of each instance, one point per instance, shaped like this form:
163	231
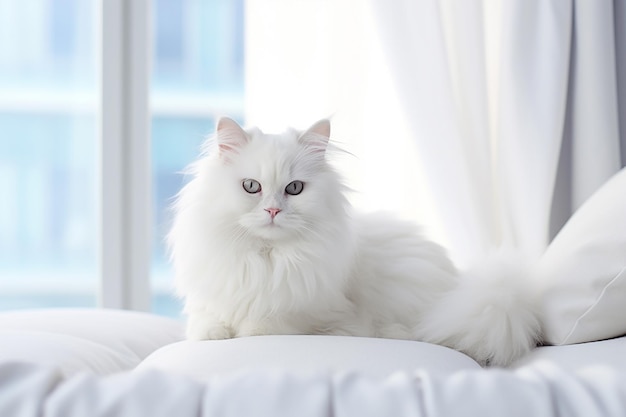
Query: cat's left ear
317	135
230	136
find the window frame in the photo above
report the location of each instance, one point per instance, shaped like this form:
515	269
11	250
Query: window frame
125	165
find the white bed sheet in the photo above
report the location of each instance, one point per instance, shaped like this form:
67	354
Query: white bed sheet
540	390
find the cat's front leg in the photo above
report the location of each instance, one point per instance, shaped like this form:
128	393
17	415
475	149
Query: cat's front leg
203	326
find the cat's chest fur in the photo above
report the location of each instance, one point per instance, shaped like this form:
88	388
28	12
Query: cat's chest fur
266	280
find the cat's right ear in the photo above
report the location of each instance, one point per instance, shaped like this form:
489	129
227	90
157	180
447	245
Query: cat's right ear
317	136
230	137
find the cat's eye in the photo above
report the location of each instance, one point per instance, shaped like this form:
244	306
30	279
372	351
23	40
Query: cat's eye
294	187
251	186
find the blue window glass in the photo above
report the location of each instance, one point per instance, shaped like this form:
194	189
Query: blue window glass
48	101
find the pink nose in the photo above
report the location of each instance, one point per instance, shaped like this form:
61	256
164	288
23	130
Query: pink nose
273	211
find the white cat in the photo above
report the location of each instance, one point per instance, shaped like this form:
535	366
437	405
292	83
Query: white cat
265	242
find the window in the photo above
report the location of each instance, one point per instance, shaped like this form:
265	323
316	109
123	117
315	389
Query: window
48	96
50	116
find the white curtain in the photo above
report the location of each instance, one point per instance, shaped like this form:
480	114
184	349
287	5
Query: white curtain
514	107
488	121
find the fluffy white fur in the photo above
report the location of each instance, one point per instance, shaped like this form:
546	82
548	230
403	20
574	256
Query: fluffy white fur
319	268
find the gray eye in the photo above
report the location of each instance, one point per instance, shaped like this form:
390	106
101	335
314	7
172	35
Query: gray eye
251	186
294	187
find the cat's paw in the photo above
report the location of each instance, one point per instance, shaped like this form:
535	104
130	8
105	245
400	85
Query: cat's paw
202	328
256	329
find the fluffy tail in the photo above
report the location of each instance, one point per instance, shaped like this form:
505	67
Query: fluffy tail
490	315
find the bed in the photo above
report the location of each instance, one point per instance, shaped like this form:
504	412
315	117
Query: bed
120	363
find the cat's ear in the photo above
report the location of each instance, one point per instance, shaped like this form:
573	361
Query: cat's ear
230	136
317	135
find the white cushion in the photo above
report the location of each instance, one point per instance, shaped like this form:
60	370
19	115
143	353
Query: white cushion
607	354
582	276
99	341
68	354
305	354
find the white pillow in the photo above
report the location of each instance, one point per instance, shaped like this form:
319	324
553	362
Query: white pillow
95	340
582	275
68	354
305	354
